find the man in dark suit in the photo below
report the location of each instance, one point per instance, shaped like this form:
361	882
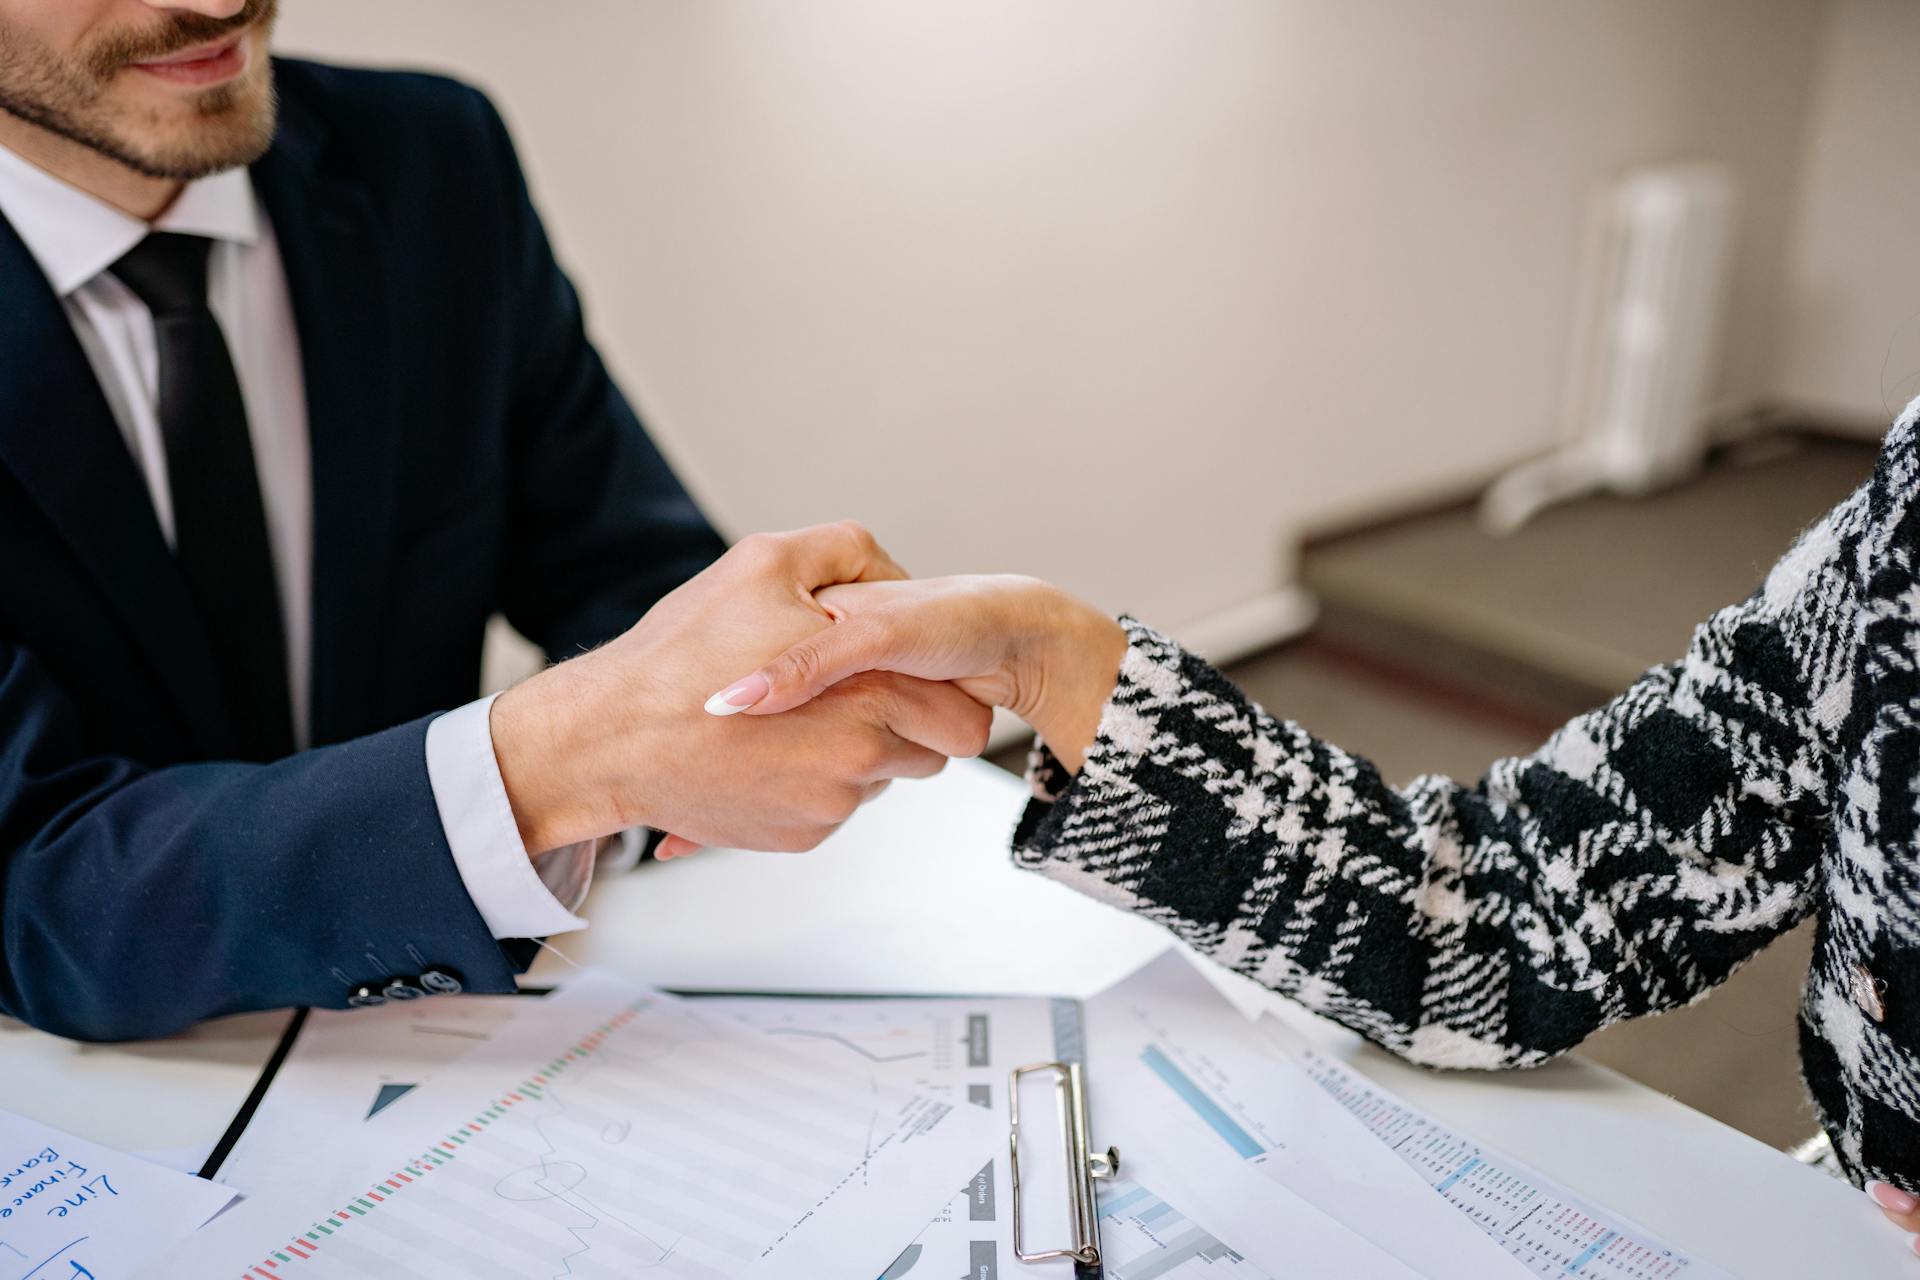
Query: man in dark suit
288	408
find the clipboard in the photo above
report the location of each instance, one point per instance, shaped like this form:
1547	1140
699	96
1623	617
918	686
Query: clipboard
1084	1167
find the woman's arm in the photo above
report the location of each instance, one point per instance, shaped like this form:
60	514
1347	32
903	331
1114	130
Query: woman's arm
1627	866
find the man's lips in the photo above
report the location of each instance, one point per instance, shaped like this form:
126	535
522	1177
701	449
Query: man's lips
202	64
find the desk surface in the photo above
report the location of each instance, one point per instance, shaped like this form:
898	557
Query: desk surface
916	894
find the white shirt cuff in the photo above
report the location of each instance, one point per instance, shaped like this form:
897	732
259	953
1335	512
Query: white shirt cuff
517	896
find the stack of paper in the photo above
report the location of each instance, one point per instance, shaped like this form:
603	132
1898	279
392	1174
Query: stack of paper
1251	1149
609	1129
1194	1088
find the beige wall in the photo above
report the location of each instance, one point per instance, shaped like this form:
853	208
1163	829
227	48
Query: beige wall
1120	292
1849	341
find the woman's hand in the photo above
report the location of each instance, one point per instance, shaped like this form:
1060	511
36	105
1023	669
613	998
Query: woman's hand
1901	1207
1007	641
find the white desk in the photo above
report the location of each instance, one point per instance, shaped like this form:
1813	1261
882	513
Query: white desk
917	894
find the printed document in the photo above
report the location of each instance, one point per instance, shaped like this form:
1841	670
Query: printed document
608	1130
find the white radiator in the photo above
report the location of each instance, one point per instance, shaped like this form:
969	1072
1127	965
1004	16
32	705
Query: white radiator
1647	343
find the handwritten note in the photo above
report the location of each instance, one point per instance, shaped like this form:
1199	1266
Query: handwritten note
75	1210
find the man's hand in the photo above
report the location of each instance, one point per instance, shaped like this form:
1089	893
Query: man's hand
618	737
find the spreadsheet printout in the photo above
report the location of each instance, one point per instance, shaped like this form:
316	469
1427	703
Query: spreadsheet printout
1547	1228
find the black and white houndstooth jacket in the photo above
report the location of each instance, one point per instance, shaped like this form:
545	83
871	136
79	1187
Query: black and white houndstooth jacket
1628	866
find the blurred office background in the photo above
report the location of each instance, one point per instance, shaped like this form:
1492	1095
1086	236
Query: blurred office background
1189	306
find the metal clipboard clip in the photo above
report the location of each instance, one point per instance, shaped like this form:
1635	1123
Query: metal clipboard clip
1083	1166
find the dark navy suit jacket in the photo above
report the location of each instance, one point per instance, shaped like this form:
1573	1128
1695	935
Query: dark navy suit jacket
470	454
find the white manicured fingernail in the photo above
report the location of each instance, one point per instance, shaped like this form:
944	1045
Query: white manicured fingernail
1888	1196
736	698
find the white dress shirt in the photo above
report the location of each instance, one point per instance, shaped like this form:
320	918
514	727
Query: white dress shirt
75	238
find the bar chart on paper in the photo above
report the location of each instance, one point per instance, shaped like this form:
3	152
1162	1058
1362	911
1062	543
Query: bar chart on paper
1142	1237
1552	1231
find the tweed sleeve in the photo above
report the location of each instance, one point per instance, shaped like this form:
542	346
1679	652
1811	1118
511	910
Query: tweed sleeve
1627	866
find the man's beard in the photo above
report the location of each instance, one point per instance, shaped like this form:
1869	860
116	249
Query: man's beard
232	123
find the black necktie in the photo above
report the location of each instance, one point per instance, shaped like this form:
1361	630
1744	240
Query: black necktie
220	528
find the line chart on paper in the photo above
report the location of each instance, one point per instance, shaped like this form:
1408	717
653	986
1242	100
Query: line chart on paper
653	1140
957	1049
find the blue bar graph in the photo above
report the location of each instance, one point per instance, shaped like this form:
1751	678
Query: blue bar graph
1145	1238
1207	1109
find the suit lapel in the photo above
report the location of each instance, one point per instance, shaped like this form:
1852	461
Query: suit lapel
58	436
330	242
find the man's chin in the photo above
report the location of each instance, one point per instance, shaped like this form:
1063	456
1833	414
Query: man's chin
190	137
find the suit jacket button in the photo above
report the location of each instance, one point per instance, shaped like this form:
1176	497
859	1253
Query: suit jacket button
1870	993
441	980
365	998
402	989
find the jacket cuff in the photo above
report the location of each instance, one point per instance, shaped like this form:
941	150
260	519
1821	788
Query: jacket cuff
1151	661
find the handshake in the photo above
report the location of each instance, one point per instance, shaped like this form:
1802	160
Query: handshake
849	674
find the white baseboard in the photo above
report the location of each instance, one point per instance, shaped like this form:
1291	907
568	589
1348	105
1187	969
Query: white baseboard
1256	624
1220	638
